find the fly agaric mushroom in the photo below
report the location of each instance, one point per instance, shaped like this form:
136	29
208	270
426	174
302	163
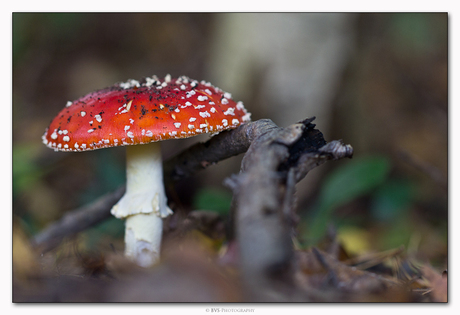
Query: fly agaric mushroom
138	115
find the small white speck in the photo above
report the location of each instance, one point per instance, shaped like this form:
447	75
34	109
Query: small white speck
230	111
66	146
205	114
131	121
188	103
69	103
164	84
212	103
235	121
83	146
212	110
91	122
191	127
183	132
168	78
192	119
130	134
130	84
90	130
124	85
143	132
82	113
54	135
227	95
224	101
173	133
64	132
177	125
76	145
247	117
202	98
208	91
149	81
106	141
225	122
203	125
199	106
177	110
240	106
149	133
182	87
127	127
190	93
66	138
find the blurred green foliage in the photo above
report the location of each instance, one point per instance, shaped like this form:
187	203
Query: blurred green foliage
391	199
413	33
353	180
213	199
26	172
110	172
389	209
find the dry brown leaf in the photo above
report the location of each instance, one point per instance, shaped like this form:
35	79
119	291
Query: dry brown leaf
321	271
437	283
25	263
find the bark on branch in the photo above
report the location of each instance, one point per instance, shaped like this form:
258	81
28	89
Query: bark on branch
263	202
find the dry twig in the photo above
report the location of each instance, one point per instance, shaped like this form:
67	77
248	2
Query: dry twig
263	203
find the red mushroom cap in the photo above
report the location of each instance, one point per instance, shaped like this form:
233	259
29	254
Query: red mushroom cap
141	112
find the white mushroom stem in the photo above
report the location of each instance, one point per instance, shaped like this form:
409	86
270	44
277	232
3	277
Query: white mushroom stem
144	203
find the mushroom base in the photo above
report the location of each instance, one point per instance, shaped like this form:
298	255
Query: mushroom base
143	238
144	203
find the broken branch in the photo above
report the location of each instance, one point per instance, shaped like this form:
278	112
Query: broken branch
262	194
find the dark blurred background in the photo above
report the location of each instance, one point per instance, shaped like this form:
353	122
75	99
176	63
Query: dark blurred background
377	81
